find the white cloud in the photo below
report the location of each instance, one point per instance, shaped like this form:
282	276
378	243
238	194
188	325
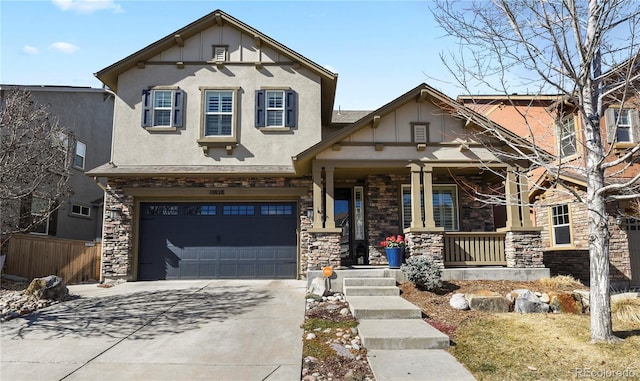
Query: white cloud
63	47
87	6
30	50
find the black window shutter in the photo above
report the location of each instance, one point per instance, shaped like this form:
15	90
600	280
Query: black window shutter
260	108
178	106
146	108
291	107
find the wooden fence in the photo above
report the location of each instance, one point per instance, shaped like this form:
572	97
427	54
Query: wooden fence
473	249
33	256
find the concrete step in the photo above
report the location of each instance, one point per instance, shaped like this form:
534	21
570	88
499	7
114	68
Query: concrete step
369	282
371	291
416	365
382	307
400	334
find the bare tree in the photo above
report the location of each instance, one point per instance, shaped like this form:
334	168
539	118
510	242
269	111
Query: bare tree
584	52
35	158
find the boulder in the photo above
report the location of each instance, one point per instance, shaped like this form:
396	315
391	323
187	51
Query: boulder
528	302
459	302
583	296
489	301
50	287
318	286
565	302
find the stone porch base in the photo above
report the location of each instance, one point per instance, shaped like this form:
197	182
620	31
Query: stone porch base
479	273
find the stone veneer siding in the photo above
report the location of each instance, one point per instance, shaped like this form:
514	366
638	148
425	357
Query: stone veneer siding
323	250
523	249
384	211
118	239
431	245
575	260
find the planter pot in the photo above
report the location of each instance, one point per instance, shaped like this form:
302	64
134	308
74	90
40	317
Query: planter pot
395	256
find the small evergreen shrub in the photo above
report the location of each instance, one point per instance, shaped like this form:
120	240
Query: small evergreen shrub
422	272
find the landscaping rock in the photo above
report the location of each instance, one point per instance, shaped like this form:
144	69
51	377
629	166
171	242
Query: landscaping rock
318	286
528	302
459	302
544	298
584	298
342	351
488	301
51	287
566	303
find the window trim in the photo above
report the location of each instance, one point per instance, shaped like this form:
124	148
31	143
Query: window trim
611	126
212	140
559	129
552	234
434	188
78	143
81	206
289	109
148	108
46	221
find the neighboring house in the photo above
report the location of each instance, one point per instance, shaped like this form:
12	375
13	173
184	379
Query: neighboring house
87	113
226	164
552	123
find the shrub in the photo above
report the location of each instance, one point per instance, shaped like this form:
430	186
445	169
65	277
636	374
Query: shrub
422	272
627	309
561	282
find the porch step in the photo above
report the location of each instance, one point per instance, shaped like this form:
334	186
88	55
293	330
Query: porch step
379	281
382	307
401	334
371	291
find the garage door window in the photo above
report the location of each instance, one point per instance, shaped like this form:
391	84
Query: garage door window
200	210
238	210
276	210
161	210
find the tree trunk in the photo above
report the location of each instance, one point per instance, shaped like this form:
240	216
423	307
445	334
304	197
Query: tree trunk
599	295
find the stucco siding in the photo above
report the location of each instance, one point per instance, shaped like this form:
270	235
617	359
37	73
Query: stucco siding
139	146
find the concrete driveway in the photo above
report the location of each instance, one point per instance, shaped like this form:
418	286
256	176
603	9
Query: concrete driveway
165	330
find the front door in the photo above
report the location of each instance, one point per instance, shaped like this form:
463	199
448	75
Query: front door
633	236
349	216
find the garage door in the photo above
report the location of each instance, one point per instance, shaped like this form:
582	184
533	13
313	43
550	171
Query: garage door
217	240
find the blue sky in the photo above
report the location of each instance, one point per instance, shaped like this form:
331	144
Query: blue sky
379	49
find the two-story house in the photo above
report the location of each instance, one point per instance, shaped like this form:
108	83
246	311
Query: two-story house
550	121
87	113
226	164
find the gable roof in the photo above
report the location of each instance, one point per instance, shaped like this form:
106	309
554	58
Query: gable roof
420	92
109	75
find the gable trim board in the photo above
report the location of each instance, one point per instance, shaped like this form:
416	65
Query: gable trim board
109	75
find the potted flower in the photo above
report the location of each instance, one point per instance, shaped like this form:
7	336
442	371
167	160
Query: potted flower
394	247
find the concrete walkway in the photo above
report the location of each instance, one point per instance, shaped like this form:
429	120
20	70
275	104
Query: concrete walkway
175	330
400	345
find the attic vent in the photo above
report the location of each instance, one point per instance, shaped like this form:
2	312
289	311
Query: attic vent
419	133
219	53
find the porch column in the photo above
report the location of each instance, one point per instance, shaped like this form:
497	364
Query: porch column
511	197
330	221
317	196
524	199
416	210
427	180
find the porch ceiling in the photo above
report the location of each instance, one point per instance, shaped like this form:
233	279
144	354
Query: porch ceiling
341	174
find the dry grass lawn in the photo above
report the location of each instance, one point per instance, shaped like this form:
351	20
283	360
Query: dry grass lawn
545	347
514	346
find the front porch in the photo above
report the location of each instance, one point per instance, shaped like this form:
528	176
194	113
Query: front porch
354	208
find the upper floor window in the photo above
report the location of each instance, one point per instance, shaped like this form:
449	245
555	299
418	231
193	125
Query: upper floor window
560	225
623	125
162	107
80	210
566	133
276	108
218	113
80	156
